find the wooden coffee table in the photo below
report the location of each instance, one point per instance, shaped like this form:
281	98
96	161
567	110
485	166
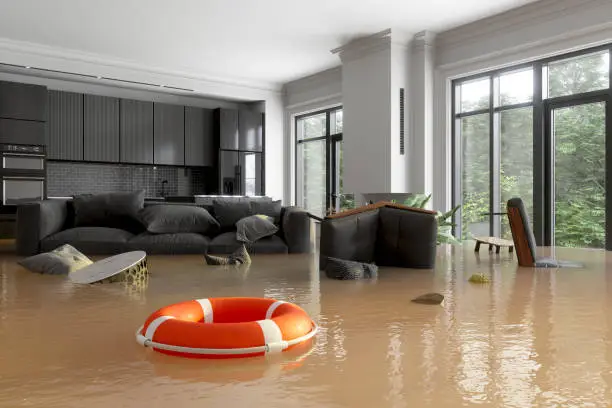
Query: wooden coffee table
493	242
118	268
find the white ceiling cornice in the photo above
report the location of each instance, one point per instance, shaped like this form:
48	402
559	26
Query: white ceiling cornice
363	46
55	58
525	16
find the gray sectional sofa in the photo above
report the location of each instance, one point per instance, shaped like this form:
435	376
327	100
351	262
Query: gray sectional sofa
45	225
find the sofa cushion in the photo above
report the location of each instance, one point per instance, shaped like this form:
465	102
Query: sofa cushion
60	261
114	210
255	227
269	208
352	237
90	240
169	219
406	238
227	243
228	213
178	243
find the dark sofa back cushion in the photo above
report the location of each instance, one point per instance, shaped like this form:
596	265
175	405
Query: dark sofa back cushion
171	219
228	213
406	239
352	237
113	210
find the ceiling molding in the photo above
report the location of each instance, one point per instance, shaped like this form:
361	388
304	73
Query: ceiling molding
26	53
424	40
360	47
515	19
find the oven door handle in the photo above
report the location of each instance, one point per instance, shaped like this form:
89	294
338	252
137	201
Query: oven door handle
23	178
23	154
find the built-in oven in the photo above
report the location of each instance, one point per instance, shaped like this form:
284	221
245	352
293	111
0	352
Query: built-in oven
23	174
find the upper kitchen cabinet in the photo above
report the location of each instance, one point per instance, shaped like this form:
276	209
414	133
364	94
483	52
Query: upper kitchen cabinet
136	131
23	101
65	126
226	129
101	129
169	134
250	130
199	143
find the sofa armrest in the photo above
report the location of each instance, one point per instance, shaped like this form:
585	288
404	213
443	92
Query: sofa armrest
36	221
296	228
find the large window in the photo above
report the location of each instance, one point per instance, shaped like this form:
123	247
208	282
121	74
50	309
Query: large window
319	162
536	131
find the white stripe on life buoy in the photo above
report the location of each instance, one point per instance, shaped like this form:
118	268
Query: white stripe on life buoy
273	307
207	309
154	325
273	337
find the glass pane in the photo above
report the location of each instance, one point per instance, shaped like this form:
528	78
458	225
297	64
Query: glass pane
576	75
335	122
311	126
516	162
475	175
20	162
19	191
516	87
249	187
312	176
473	95
580	149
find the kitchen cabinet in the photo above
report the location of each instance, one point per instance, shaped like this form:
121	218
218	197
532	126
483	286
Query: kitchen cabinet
22	132
136	131
250	130
199	142
169	134
23	101
227	130
101	129
65	126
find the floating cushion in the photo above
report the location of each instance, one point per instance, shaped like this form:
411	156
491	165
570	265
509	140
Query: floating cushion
342	269
60	261
253	228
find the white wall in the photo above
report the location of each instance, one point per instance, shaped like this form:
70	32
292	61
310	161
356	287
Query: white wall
119	92
400	68
537	30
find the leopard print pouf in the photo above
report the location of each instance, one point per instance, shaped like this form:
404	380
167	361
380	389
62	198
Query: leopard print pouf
136	275
239	257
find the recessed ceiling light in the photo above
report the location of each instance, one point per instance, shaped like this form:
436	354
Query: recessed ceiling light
99	77
28	67
162	86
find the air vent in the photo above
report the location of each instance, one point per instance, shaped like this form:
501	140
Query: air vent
401	119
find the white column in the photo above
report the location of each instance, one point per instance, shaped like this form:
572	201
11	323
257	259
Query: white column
374	69
421	113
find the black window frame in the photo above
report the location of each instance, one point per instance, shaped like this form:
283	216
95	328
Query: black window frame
543	200
330	155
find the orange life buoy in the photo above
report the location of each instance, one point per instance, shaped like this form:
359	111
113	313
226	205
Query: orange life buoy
226	328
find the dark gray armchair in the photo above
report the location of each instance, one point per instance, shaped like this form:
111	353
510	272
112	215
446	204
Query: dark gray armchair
386	234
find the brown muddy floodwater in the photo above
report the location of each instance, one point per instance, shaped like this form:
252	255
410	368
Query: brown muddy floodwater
530	338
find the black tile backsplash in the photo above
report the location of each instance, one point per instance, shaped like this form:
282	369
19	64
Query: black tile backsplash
66	179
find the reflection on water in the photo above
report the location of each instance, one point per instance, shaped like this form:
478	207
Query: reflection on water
529	338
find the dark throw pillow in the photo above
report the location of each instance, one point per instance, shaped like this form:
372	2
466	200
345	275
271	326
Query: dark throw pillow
254	227
170	219
345	270
228	213
269	208
113	210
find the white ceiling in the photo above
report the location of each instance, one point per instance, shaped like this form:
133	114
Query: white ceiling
261	41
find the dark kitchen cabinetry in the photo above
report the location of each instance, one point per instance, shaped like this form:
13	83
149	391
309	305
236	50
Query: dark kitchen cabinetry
199	143
136	131
250	130
169	134
227	129
22	132
240	173
101	129
65	126
23	101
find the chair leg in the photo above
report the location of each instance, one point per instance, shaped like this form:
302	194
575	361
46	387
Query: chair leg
477	247
490	247
497	249
511	249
